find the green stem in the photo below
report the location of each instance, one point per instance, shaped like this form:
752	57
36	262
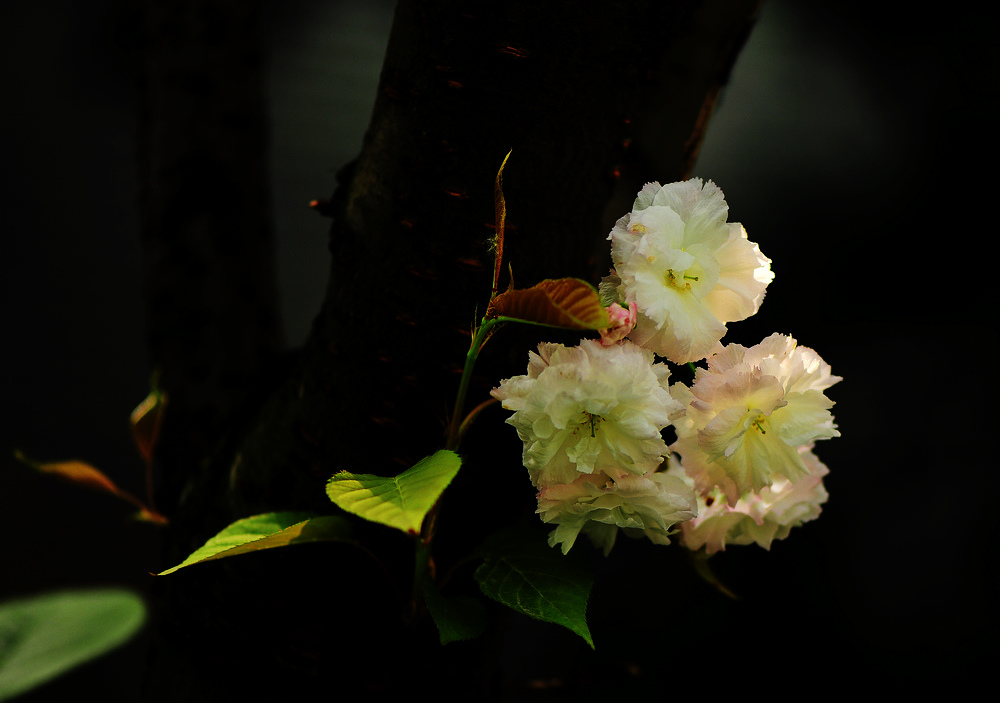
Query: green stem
456	430
456	425
421	565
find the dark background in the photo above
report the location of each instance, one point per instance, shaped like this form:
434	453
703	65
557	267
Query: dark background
855	144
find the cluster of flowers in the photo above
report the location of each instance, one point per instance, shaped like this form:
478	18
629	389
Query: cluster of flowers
591	417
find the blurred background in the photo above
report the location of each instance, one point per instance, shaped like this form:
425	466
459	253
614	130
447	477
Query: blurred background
855	143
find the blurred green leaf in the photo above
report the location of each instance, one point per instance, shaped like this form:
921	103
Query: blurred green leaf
397	501
268	531
43	636
522	572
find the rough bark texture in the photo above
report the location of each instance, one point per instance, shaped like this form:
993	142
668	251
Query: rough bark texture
593	100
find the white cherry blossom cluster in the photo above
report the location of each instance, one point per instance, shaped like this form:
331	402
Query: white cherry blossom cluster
591	417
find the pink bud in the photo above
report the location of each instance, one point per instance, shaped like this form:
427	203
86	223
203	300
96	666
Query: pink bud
622	322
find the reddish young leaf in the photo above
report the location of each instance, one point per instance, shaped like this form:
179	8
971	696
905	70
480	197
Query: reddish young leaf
75	471
563	302
145	422
500	207
84	474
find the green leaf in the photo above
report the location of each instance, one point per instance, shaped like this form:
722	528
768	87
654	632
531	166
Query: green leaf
43	636
397	501
564	302
456	617
522	572
268	531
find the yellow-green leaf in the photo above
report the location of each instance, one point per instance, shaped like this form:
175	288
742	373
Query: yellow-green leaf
397	501
268	531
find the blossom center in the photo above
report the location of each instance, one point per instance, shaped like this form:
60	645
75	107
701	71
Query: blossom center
589	424
681	281
756	419
594	421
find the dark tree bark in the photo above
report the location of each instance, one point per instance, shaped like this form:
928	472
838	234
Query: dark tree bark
592	100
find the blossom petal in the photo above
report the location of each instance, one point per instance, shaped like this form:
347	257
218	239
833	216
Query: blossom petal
649	505
744	424
590	408
687	269
760	517
744	274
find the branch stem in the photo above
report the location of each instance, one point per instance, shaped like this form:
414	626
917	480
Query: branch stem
456	428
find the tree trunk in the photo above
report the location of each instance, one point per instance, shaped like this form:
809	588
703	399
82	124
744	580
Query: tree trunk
592	102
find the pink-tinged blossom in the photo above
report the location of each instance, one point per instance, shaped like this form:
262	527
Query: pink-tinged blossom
748	414
598	506
622	322
688	270
589	408
756	517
